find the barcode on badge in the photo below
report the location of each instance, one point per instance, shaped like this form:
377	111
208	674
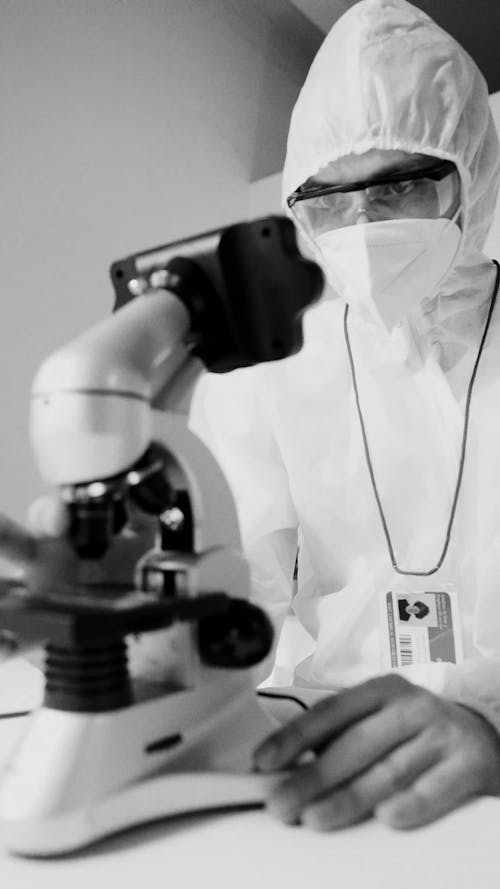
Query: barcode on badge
406	650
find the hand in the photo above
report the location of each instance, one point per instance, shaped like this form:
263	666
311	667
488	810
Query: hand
386	748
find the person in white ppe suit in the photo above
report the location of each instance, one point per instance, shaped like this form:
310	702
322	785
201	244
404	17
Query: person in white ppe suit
376	450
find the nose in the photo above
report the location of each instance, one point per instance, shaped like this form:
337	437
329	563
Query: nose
361	217
360	208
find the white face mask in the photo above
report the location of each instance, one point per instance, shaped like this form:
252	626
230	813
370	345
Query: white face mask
387	268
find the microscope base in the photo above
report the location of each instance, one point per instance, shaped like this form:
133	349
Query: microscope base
76	778
157	798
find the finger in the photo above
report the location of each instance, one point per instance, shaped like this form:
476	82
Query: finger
329	717
358	748
48	517
16	544
356	800
436	792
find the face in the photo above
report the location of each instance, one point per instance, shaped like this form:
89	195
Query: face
417	197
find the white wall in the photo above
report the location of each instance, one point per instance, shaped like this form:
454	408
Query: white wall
265	195
124	124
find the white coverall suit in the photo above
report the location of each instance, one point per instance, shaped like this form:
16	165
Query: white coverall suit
287	434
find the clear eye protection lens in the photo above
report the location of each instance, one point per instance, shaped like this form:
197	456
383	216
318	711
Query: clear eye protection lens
418	197
448	193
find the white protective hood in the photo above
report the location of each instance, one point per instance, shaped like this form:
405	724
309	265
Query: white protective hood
361	93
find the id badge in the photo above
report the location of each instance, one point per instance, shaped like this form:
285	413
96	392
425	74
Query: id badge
421	627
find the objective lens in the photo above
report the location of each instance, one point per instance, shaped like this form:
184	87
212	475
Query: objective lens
92	527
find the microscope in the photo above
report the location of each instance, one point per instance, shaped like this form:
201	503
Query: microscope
150	707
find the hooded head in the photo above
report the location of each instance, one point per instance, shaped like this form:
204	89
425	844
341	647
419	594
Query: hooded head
387	77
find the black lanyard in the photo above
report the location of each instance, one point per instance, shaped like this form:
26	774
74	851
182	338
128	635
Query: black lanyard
461	464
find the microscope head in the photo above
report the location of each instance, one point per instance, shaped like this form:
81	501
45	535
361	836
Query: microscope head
221	300
245	287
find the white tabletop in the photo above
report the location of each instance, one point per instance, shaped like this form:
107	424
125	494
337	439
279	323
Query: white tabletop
249	850
245	850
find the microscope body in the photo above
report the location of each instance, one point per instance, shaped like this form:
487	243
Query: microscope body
170	727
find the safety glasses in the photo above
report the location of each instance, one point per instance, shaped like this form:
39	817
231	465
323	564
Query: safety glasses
428	192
